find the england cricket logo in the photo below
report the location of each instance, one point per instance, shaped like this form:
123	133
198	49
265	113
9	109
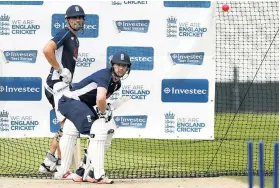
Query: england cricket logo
169	123
4	120
17	27
179	28
4	24
171	27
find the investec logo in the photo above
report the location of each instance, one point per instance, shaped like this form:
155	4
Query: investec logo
175	28
25	56
140	26
142	58
9	89
195	58
139	121
20	89
17	27
91	25
185	90
54	123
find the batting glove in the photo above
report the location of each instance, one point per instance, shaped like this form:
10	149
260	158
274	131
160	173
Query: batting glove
107	114
66	75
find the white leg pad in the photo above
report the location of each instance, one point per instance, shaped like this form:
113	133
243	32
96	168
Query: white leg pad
67	143
87	165
96	148
110	126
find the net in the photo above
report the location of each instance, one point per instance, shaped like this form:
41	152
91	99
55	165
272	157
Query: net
247	99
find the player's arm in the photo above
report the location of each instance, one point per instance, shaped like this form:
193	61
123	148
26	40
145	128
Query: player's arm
101	99
49	52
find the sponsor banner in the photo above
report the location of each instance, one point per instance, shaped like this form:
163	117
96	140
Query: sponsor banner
185	90
15	123
24	56
187	4
191	125
10	26
140	26
20	89
195	58
21	2
142	58
182	28
171	45
91	26
131	121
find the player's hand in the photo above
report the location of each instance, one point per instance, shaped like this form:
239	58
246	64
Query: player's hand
107	114
66	75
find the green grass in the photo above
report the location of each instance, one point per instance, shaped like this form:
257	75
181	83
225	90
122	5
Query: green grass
268	180
164	158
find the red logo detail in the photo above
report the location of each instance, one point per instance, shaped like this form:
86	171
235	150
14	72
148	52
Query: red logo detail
67	174
75	52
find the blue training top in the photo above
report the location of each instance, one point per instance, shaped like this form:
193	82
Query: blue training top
86	89
66	54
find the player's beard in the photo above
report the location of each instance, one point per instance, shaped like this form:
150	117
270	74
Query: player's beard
78	26
119	74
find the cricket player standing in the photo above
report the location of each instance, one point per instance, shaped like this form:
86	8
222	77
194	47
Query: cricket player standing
61	52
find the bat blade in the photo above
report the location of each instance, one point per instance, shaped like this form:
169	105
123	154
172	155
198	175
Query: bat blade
119	102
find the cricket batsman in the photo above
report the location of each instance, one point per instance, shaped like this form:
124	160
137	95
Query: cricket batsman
77	105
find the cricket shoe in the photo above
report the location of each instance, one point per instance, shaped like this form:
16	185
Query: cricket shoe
77	178
102	180
67	176
49	164
46	169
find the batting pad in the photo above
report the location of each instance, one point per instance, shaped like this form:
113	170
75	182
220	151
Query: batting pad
67	143
96	148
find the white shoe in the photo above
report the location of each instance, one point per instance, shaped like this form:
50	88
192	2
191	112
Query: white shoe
103	180
77	178
44	169
49	164
67	176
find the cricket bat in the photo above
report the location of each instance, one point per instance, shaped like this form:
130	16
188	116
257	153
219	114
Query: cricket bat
77	154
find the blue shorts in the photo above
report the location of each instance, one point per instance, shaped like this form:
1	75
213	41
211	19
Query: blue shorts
81	115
